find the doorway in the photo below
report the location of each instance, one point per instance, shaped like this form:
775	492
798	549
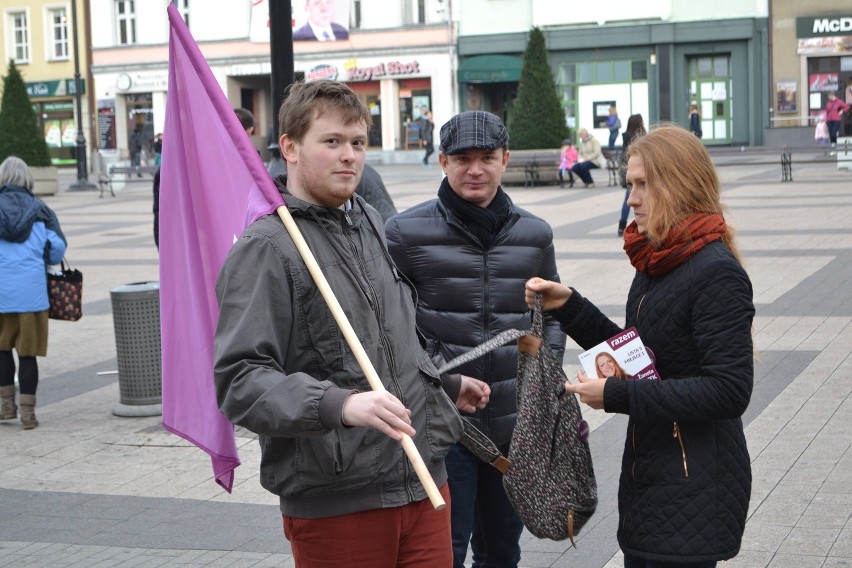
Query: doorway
710	88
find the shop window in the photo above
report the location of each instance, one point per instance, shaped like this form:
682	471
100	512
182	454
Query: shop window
567	73
125	13
20	35
621	71
140	114
720	66
826	75
57	123
604	72
414	12
572	76
586	73
57	19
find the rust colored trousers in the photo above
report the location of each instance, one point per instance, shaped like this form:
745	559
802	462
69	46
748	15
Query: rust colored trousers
411	536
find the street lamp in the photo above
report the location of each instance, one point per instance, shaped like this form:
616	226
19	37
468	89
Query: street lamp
281	74
82	169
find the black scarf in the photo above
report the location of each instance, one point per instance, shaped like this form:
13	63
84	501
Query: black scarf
483	222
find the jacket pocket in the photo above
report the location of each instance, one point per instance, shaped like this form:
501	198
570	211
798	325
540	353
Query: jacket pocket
342	460
317	324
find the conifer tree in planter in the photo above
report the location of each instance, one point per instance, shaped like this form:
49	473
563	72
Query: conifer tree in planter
21	135
536	118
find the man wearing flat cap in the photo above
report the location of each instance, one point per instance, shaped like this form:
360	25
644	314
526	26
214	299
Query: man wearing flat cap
468	254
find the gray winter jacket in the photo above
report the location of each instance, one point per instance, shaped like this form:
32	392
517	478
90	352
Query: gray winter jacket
283	369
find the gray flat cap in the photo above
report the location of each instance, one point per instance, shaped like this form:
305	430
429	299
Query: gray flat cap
473	129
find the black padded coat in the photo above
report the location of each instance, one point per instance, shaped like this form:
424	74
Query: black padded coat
467	294
686	476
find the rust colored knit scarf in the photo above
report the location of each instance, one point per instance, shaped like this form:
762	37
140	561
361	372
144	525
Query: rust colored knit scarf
690	236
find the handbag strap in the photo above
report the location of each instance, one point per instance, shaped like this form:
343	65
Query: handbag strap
473	438
537	330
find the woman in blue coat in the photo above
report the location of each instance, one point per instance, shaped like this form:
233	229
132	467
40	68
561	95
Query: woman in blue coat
30	239
685	478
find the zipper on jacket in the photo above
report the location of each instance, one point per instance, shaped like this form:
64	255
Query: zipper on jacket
677	434
639	307
632	469
633	441
377	311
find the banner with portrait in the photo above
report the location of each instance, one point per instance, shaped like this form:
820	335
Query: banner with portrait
320	20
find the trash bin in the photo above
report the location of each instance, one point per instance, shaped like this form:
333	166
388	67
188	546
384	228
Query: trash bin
136	317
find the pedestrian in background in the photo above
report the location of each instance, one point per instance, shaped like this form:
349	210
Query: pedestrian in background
138	143
427	135
590	157
613	123
834	110
567	159
848	97
158	149
821	131
467	254
685	483
695	121
30	240
635	127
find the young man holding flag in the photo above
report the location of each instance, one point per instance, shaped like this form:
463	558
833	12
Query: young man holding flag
330	444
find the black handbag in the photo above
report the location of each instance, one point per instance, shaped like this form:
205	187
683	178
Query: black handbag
65	291
549	477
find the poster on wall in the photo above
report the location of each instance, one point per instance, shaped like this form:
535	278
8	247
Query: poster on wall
821	82
785	96
601	112
69	132
815	101
53	133
106	124
321	20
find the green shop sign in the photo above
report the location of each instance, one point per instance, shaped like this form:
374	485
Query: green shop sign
59	88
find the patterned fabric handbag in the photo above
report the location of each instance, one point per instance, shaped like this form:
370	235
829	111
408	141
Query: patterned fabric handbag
65	291
549	479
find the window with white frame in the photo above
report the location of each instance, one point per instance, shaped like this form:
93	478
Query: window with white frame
57	21
125	20
19	36
183	10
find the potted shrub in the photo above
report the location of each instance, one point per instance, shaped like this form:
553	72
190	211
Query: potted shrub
22	136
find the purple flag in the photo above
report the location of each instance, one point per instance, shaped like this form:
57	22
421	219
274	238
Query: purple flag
212	185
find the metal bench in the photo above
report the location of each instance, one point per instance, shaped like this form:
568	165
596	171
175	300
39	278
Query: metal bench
105	180
613	166
532	168
766	155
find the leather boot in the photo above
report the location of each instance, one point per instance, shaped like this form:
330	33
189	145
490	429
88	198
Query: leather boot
28	417
8	409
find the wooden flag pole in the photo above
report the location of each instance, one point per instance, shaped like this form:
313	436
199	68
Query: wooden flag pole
361	355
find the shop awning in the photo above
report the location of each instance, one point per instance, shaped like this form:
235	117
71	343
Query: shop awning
490	69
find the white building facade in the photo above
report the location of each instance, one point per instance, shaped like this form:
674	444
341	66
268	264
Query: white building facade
399	56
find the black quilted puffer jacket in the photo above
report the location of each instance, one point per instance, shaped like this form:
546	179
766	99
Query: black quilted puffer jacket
686	475
467	294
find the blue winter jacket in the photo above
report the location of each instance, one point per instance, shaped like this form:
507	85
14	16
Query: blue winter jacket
30	238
